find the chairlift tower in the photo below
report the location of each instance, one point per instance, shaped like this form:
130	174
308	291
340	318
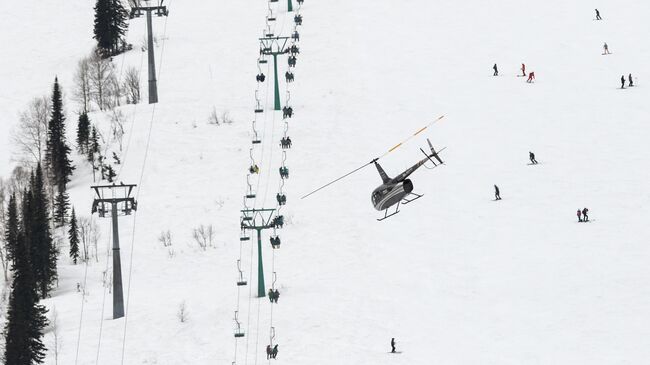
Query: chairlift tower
258	220
117	196
289	6
274	46
136	12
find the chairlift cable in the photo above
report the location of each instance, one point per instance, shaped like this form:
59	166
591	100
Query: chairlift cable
142	171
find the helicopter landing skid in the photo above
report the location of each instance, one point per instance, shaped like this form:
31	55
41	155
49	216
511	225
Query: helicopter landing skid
417	196
386	215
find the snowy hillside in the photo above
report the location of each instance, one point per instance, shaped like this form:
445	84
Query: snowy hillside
455	277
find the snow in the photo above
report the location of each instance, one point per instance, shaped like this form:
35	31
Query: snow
455	277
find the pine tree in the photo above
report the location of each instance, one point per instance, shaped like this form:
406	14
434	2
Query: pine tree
83	133
57	150
110	25
73	235
93	144
36	219
61	206
26	319
12	229
110	173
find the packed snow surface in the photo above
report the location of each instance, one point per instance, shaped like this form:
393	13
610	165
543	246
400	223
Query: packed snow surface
455	277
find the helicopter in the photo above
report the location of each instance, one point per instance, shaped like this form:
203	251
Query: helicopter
399	189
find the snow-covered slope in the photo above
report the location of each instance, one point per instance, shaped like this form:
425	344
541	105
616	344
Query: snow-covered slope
456	278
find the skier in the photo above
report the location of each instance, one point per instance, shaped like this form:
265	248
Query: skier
392	345
523	70
497	194
496	70
623	82
629	80
531	77
598	15
579	215
585	217
274	352
276	296
605	48
268	352
532	158
271	295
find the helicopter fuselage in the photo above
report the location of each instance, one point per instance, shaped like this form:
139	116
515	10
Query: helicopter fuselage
389	194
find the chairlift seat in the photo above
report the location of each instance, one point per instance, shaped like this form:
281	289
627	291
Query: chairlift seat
263	61
244	238
250	196
259	110
239	334
242	283
256	141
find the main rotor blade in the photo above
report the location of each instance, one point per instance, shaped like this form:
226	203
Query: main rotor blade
340	178
413	135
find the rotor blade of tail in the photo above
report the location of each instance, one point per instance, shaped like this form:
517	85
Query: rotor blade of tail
340	178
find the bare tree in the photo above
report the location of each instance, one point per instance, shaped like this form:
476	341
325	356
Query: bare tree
165	238
117	126
3	228
19	180
30	136
56	335
101	71
203	235
114	91
89	234
82	90
132	85
182	312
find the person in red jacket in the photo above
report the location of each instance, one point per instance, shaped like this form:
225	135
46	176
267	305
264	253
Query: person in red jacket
523	70
531	77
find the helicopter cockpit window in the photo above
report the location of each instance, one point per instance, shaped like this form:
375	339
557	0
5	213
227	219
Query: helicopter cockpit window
375	197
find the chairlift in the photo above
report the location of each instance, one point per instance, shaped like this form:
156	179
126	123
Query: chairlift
260	77
239	332
262	60
292	61
298	19
284	172
275	241
285	143
287	112
241	281
281	198
295	35
289	77
278	221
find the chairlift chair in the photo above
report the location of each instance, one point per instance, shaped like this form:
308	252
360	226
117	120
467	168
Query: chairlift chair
275	241
241	281
239	332
278	221
281	198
